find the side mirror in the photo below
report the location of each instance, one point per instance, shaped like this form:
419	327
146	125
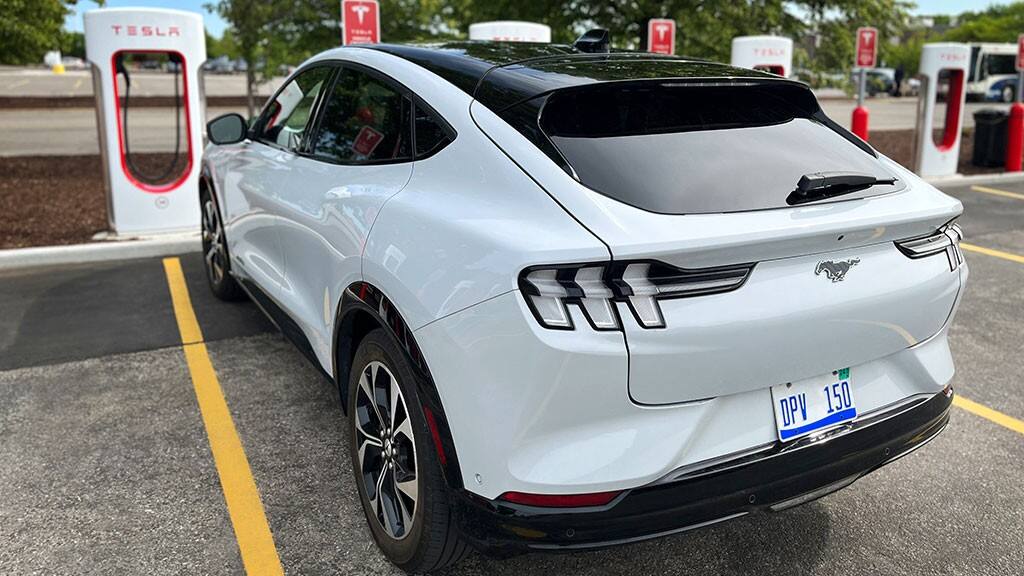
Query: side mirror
226	129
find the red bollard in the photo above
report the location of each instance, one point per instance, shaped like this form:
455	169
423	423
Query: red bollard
860	122
1015	138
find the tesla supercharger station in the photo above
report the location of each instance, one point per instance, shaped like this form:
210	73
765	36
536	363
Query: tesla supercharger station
151	164
769	53
943	70
510	31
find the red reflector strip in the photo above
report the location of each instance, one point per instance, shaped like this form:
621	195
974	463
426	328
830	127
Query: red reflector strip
432	424
560	500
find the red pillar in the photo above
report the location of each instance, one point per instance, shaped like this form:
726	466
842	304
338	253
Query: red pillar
1015	138
860	122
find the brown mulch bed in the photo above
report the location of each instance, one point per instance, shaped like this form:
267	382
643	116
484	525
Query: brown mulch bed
899	145
47	200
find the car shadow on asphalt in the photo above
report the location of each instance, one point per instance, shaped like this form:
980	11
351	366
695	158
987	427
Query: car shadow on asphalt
791	542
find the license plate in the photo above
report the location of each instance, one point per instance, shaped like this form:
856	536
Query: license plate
807	406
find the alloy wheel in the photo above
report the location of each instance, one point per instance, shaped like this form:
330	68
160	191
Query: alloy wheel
386	450
213	242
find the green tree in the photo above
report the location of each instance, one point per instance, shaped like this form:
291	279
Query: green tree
72	44
29	28
996	24
257	27
834	23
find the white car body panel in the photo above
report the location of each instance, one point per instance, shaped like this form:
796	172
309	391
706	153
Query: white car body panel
325	217
786	324
554	404
246	188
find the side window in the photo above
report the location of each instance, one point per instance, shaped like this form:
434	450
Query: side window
431	135
365	120
286	119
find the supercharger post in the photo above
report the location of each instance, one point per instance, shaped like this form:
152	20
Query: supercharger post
151	163
946	62
510	31
1015	128
866	57
768	53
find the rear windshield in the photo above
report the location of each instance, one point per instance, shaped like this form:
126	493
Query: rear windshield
704	148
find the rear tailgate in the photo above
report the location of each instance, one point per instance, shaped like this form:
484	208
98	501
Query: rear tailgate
712	186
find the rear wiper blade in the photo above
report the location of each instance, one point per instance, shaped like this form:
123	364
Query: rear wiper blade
821	185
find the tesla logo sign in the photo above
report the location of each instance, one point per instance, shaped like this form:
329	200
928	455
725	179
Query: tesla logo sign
661	36
360	22
867	47
155	31
366	141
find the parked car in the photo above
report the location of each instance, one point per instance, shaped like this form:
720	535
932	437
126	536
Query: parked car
220	65
73	63
878	81
574	298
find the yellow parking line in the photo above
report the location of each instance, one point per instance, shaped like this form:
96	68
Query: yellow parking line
255	542
989	414
17	84
994	253
997	192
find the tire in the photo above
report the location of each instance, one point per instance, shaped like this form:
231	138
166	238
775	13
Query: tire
1008	94
424	538
215	251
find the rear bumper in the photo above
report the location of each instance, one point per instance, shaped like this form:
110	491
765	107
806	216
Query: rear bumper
773	478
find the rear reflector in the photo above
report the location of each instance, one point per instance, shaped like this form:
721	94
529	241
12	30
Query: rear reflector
436	435
560	500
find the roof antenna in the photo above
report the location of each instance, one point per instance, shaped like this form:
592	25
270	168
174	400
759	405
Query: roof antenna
596	41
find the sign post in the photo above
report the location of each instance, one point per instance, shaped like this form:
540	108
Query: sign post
360	22
1015	129
866	58
661	36
1020	67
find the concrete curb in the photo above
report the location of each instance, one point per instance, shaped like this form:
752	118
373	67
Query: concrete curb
148	247
961	180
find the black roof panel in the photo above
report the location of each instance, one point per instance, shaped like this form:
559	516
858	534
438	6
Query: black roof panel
500	74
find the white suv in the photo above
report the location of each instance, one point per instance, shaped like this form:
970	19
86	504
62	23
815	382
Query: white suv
575	298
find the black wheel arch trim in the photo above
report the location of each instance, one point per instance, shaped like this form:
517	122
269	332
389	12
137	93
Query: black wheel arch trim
367	298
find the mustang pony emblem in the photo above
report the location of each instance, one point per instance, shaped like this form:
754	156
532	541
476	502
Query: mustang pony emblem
835	271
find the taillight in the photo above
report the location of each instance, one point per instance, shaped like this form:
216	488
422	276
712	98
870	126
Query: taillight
944	240
595	288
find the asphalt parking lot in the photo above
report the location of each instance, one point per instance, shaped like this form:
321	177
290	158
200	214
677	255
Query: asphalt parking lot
134	440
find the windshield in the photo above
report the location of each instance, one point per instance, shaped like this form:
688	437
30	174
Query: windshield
706	148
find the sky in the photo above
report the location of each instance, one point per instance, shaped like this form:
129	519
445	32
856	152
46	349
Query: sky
215	25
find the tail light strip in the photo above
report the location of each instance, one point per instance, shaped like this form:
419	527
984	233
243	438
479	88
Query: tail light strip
946	239
595	288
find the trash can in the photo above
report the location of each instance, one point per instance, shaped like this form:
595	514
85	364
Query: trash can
989	137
